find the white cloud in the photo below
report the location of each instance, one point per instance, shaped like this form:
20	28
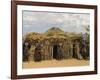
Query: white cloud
43	20
29	18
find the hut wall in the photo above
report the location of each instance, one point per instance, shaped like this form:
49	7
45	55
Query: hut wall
65	49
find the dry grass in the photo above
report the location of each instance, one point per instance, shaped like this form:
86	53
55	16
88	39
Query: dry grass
55	63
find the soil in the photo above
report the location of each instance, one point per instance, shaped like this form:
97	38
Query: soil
55	63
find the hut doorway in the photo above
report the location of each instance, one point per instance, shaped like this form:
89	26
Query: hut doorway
55	51
37	55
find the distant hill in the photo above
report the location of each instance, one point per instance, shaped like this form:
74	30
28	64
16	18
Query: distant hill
54	31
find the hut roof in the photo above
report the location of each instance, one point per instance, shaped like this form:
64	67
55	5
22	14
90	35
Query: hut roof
53	33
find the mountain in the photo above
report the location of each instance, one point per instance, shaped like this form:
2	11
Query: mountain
54	31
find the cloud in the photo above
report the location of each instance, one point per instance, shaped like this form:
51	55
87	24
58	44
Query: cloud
29	18
41	21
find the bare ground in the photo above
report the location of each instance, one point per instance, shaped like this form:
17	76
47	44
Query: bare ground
55	63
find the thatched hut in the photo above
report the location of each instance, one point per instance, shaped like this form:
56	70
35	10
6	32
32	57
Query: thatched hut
53	44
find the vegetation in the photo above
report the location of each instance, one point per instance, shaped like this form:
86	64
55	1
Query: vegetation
88	34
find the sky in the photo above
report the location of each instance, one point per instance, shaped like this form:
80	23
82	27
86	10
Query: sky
42	21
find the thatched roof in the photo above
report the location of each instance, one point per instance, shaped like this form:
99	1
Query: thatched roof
53	33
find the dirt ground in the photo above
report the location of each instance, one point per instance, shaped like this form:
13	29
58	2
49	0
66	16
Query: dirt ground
55	63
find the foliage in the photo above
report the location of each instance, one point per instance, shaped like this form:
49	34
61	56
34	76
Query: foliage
88	34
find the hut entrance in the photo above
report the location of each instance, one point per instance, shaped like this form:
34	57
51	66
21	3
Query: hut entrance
37	55
55	51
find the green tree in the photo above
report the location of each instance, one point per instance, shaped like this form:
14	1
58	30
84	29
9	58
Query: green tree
87	28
